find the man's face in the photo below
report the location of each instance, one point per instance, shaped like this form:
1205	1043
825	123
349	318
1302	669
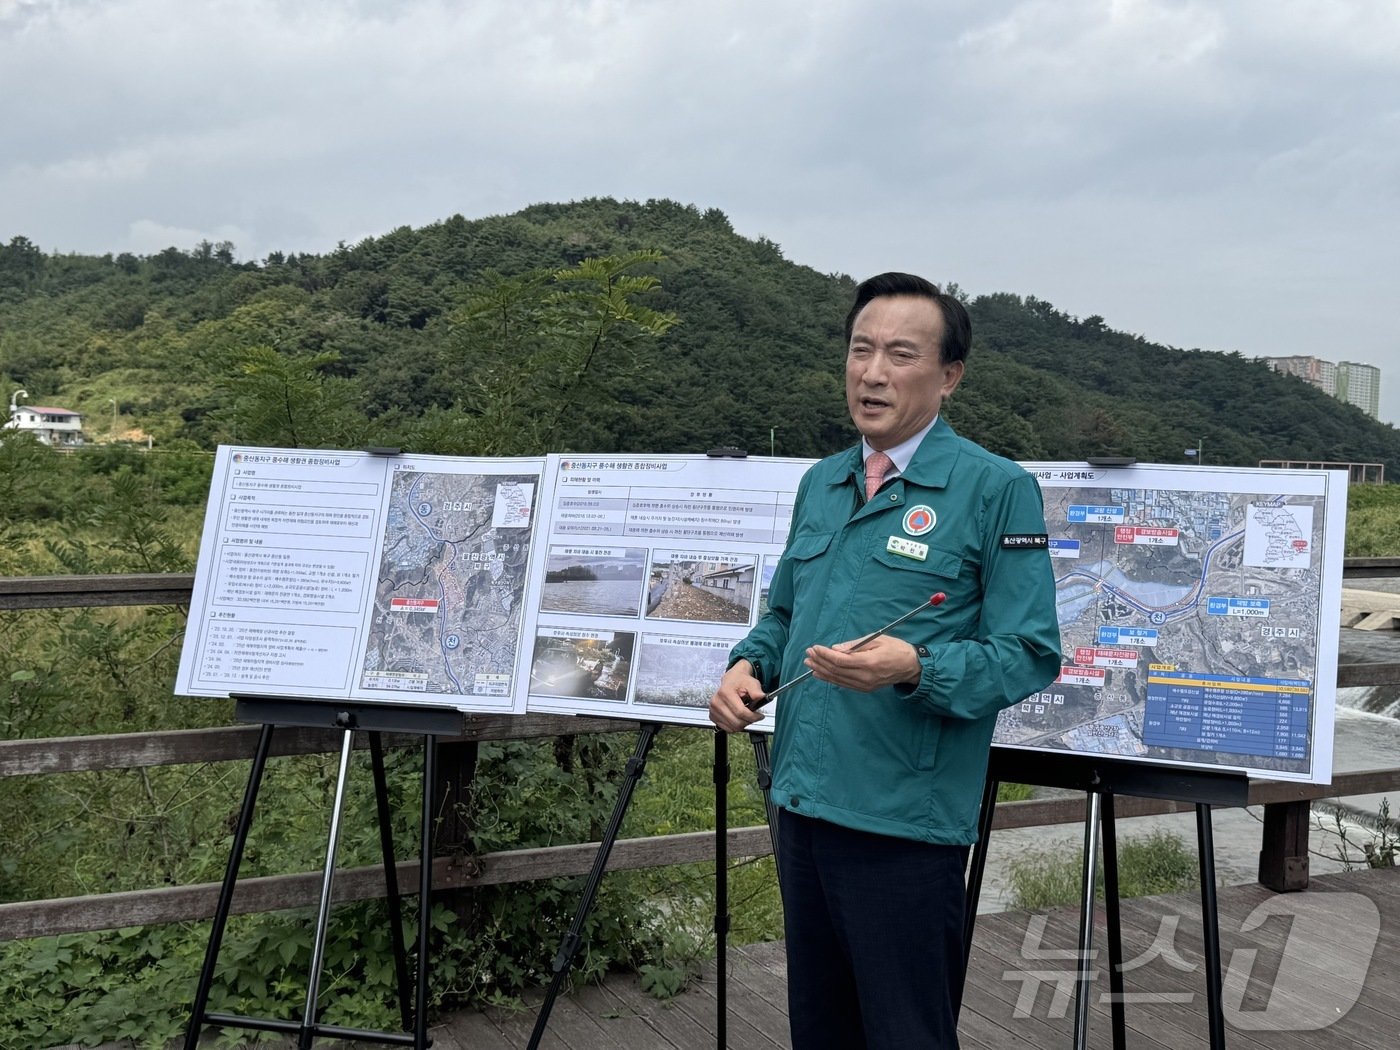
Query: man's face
895	378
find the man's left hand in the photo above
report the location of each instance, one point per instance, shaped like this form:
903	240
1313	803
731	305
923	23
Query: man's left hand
885	661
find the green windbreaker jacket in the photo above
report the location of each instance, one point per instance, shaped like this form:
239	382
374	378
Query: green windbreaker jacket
907	761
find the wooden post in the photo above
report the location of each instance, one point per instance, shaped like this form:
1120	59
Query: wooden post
456	767
1283	858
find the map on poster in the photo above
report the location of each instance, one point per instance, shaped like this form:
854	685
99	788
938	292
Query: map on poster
611	585
1199	615
452	566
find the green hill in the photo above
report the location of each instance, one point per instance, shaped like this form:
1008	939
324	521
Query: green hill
756	357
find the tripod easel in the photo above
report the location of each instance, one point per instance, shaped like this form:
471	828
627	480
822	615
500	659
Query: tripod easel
275	712
632	774
1101	779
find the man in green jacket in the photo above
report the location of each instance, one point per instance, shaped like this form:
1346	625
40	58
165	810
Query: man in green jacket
880	756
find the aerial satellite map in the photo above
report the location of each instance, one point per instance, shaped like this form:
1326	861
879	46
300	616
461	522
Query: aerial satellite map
448	603
1189	622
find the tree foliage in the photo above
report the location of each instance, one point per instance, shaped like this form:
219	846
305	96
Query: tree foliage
443	335
543	355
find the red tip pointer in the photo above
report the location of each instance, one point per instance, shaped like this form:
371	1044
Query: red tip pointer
933	602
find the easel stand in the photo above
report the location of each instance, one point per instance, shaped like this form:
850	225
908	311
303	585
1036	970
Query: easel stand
764	770
632	774
1101	779
568	948
274	712
722	916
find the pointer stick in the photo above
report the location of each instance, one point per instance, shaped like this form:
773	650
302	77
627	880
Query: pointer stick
934	601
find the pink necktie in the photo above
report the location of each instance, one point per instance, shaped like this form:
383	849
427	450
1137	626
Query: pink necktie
875	468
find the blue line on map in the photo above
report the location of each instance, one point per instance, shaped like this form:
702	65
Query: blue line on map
1176	609
442	631
412	504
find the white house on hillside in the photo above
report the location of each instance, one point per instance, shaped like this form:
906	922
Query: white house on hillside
53	426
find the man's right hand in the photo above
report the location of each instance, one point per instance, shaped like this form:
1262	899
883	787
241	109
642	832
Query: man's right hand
728	711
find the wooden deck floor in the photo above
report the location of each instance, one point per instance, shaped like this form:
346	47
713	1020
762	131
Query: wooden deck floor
1011	996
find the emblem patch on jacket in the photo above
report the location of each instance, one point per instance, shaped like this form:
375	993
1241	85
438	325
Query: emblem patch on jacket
919	519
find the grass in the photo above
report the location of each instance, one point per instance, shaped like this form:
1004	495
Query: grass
1156	863
1007	792
675	796
1373	521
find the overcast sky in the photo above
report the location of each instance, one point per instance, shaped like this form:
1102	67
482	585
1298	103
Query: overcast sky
1216	175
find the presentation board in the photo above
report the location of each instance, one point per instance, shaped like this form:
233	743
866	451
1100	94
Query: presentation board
607	585
1200	610
1199	607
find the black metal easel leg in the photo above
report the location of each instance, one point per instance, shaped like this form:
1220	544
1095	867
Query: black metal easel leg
721	885
1113	916
764	769
564	959
425	893
272	712
309	1023
1086	923
1210	923
221	912
391	877
976	866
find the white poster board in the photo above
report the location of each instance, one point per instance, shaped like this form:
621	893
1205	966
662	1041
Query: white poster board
1200	610
653	568
608	585
346	575
1199	607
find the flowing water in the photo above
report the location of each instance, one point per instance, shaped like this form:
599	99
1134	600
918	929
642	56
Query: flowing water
1366	736
599	597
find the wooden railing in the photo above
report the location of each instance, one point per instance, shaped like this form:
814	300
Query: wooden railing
1283	857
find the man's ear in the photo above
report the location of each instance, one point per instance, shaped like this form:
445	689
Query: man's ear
952	377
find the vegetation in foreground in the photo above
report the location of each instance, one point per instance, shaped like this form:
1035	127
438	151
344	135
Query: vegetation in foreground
1156	863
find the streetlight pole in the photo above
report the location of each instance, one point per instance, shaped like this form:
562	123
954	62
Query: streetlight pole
114	416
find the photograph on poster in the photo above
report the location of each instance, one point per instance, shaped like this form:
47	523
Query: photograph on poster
583	665
700	587
765	581
594	581
676	670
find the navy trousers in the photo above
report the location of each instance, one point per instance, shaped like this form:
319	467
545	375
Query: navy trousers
874	929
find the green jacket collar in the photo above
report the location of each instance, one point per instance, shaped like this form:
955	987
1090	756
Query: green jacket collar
931	466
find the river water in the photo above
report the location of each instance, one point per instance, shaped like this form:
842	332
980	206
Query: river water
596	597
1367	736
